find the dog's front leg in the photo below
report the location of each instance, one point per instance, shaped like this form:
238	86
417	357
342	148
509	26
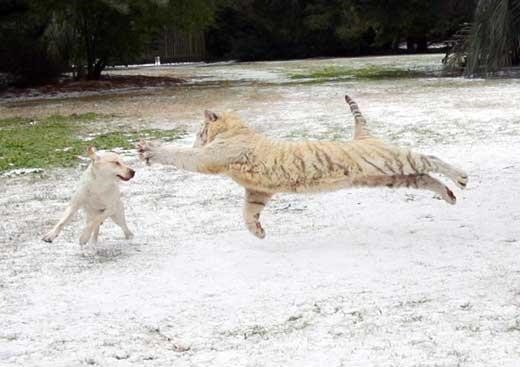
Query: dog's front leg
65	219
120	220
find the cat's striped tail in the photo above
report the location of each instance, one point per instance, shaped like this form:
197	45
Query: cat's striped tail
360	129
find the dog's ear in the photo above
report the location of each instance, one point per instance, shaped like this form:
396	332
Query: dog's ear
210	116
91	152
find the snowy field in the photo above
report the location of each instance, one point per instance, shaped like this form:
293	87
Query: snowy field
352	278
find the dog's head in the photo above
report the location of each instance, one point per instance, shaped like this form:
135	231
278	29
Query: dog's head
109	165
214	125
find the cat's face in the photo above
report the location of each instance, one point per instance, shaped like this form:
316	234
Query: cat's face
213	125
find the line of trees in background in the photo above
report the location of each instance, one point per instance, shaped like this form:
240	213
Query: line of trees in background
267	29
40	39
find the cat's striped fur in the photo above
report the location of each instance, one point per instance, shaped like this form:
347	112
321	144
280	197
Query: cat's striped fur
264	166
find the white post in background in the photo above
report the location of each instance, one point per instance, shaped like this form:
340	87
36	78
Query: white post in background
157	60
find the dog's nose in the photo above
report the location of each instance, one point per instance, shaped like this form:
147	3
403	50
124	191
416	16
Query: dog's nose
132	173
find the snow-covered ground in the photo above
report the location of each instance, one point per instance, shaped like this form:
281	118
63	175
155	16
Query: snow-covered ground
351	278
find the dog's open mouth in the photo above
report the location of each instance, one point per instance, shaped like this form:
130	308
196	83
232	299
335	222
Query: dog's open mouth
124	178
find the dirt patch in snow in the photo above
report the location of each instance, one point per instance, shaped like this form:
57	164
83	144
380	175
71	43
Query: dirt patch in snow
108	82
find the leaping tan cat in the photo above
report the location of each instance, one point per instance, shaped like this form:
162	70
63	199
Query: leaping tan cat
263	166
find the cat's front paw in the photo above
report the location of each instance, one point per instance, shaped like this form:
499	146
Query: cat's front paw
256	229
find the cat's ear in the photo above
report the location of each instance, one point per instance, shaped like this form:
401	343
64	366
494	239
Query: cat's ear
210	116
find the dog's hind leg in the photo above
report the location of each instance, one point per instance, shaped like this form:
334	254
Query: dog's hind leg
120	220
92	228
65	219
85	235
95	235
255	203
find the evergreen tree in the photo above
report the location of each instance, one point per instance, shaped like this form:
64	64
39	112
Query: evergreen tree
89	35
495	38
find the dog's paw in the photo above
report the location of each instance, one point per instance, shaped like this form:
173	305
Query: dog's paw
129	235
84	238
146	150
49	237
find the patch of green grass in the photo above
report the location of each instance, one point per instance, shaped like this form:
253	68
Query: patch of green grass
57	141
14	122
369	72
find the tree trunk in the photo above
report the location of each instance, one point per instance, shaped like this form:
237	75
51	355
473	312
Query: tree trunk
98	68
410	44
395	44
422	44
94	70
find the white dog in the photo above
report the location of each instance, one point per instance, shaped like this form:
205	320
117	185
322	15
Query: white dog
99	196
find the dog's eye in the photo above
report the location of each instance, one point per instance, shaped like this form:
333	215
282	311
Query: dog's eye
117	163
